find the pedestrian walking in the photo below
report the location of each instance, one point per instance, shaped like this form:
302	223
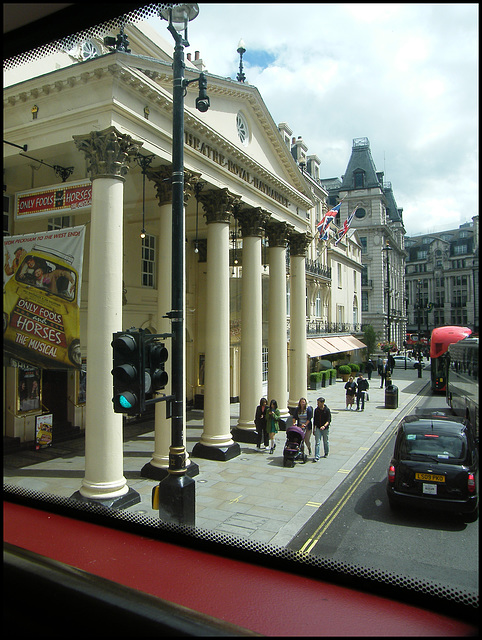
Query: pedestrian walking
260	422
272	423
369	368
321	421
383	373
350	387
303	415
362	387
380	365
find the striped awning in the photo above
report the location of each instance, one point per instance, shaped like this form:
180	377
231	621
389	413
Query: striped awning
316	347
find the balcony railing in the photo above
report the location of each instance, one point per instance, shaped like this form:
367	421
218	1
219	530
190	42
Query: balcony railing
319	327
315	268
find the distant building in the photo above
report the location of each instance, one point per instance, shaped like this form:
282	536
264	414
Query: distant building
442	279
379	224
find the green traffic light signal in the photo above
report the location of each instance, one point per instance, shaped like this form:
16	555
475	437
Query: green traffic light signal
127	372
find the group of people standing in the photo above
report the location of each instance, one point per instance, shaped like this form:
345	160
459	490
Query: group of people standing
358	390
267	417
267	424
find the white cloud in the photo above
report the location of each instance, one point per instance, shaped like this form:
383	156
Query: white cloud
403	75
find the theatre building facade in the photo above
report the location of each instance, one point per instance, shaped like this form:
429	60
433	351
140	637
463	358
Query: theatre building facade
95	173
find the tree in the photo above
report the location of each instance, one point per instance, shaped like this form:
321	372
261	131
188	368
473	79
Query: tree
370	337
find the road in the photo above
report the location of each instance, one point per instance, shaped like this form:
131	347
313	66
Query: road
357	526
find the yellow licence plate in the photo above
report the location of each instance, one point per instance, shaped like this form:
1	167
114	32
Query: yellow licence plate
430	477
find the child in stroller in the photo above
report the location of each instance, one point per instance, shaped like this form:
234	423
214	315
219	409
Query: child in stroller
294	446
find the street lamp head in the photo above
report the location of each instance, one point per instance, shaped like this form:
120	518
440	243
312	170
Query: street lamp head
178	14
241	48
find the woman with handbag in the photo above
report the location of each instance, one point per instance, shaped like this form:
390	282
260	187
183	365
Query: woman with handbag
272	423
350	388
303	415
260	422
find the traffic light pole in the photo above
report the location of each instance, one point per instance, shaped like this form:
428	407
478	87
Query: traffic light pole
177	489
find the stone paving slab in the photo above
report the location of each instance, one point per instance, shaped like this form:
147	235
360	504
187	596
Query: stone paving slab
251	496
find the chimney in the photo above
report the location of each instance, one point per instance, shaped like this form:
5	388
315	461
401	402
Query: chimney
189	57
196	55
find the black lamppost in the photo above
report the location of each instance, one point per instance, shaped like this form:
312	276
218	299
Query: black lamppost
419	322
177	490
388	248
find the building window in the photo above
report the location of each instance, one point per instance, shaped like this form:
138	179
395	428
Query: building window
359	179
264	360
61	222
354	281
364	301
243	129
148	261
340	279
318	305
460	249
363	242
360	213
6	215
422	254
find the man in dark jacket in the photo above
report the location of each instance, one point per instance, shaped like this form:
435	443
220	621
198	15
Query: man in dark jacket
322	420
362	387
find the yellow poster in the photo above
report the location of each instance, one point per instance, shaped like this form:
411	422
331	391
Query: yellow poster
41	297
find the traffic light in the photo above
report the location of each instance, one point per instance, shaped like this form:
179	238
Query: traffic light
128	372
155	356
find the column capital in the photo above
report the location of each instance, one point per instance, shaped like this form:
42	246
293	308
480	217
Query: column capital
218	204
299	242
278	233
108	152
161	177
252	220
191	179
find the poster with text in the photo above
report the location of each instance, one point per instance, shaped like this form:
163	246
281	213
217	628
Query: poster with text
41	297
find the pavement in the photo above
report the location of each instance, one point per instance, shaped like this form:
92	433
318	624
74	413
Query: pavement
251	496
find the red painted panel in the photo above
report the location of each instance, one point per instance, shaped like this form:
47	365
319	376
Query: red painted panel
251	596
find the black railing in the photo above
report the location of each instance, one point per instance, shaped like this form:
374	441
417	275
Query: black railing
320	327
315	268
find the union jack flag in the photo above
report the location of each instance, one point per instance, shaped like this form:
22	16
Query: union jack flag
325	222
346	225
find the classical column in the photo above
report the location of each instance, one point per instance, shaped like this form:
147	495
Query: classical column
277	332
216	441
108	153
298	367
252	222
157	468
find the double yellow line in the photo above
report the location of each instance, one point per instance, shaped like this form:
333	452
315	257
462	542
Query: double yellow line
310	543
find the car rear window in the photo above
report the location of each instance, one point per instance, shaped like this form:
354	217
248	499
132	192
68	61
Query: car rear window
429	446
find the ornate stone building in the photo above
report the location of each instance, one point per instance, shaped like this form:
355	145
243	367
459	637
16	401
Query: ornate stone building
379	224
442	279
101	115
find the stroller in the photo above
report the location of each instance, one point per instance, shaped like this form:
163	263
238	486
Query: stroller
294	446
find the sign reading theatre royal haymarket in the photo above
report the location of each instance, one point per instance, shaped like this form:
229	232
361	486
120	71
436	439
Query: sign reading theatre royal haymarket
220	159
54	199
41	297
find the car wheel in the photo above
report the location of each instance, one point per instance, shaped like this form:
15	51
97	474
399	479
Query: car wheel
471	517
392	504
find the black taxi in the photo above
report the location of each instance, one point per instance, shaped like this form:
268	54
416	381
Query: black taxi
435	465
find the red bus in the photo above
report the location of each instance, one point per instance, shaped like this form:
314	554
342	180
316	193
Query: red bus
442	338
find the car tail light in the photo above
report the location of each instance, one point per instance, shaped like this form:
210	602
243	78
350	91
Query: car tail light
471	483
391	474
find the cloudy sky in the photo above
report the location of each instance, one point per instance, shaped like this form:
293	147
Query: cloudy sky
403	75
